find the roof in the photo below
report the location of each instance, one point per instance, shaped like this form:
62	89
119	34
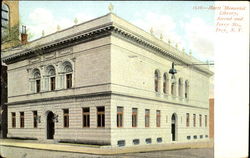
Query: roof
101	26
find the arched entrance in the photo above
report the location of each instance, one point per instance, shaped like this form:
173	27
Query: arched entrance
50	125
173	126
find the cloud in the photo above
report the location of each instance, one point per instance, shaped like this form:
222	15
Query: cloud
41	19
161	24
200	37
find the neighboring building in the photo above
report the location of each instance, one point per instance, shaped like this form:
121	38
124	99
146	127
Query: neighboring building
211	118
106	81
10	24
9	38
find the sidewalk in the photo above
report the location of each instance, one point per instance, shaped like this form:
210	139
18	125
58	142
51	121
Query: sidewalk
99	150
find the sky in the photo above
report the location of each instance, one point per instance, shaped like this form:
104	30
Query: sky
178	22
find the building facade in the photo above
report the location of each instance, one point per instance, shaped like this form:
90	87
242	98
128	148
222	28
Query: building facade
106	81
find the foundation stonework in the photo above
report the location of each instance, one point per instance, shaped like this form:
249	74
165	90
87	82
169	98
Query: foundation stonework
113	64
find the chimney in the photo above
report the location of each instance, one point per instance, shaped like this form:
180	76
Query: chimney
24	36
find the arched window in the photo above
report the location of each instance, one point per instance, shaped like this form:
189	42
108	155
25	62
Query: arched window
67	69
186	89
5	20
37	78
180	87
52	77
157	80
173	86
165	83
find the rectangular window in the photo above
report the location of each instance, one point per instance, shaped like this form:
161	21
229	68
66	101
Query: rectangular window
35	119
205	120
69	80
37	86
13	118
158	118
147	113
52	83
85	117
134	117
101	116
200	119
194	117
65	118
187	120
21	119
119	116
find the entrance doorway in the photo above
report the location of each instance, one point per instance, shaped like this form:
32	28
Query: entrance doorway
50	125
173	127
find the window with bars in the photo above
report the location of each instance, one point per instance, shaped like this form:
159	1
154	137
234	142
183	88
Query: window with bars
194	119
13	118
119	116
85	117
21	119
134	117
158	118
187	120
147	117
65	118
69	80
35	119
101	116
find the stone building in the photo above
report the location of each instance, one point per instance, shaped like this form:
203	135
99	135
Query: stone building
106	81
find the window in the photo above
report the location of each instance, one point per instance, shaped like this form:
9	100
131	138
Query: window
136	141
200	119
134	117
165	83
85	117
147	113
121	143
119	116
5	20
65	118
36	81
21	119
194	117
67	71
69	80
205	120
157	78
38	86
51	72
201	136
13	118
52	83
148	140
186	89
159	140
158	118
35	119
101	116
195	136
188	137
187	120
173	85
180	87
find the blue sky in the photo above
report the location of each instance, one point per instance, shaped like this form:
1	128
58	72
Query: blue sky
177	21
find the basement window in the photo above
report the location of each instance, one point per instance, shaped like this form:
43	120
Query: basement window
159	140
148	140
136	141
121	143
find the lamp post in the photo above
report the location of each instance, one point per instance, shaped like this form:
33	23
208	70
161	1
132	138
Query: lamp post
172	71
